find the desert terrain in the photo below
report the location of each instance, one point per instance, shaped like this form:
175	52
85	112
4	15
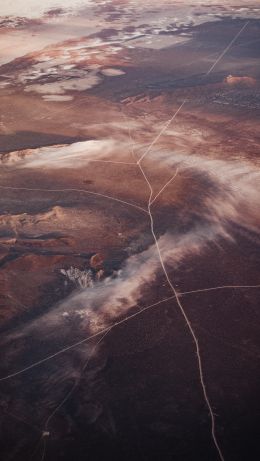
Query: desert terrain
129	230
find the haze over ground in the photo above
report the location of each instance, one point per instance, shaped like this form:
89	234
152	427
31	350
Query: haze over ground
129	240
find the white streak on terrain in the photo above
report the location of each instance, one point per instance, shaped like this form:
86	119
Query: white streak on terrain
233	189
164	187
227	48
63	156
120	322
85	191
161	132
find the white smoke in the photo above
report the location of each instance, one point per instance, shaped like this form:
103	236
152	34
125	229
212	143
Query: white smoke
235	184
62	156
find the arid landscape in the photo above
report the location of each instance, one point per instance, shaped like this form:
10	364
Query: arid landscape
129	230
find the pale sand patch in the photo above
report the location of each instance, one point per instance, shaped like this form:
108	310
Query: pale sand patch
157	41
61	86
110	72
57	97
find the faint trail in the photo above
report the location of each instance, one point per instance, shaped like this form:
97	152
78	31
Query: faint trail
166	125
120	322
227	48
69	394
188	323
182	310
21	420
35	450
248	43
17	301
164	187
222	287
77	190
61	110
111	161
229	344
130	137
78	343
44	449
164	128
176	295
